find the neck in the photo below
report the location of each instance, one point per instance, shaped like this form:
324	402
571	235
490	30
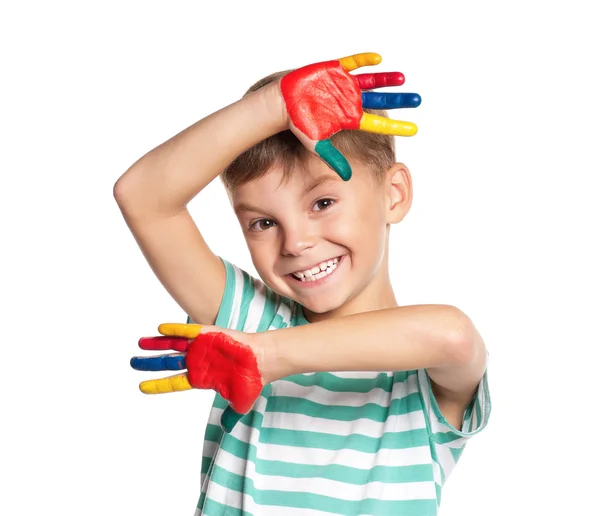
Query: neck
377	295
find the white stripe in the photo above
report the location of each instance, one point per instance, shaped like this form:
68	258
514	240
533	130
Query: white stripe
314	457
368	375
237	297
284	311
321	457
323	396
324	486
445	459
345	457
256	307
209	450
437	475
232	498
367	427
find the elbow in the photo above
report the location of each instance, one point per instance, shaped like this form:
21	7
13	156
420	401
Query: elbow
120	190
466	343
127	198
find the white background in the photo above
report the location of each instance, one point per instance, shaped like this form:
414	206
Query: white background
504	225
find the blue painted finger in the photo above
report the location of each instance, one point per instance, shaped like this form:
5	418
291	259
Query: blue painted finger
173	362
334	158
375	100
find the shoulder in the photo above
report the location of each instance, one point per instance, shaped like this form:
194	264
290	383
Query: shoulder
249	305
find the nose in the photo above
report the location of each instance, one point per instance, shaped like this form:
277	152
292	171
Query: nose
297	240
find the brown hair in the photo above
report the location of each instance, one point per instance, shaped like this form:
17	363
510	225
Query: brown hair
285	150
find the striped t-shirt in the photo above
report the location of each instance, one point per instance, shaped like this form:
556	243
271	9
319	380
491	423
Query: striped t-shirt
348	443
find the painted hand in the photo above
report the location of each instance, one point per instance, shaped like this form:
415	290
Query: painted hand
323	98
214	358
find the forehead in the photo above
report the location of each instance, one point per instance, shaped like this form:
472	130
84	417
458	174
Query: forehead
300	181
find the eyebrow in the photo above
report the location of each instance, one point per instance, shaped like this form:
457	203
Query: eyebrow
318	182
246	207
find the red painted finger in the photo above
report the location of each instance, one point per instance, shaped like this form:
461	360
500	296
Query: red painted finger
367	81
163	343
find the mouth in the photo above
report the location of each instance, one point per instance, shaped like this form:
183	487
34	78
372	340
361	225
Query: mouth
317	271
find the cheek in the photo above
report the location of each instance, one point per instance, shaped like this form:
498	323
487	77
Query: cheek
261	252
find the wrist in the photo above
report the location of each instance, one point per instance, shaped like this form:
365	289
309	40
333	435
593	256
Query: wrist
271	363
273	107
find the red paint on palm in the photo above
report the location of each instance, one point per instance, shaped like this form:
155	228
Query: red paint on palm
217	361
322	99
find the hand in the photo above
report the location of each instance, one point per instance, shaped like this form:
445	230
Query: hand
323	98
226	361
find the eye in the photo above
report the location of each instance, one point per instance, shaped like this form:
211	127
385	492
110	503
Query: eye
262	225
323	204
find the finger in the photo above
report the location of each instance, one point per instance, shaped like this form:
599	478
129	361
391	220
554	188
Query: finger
368	81
164	343
357	60
376	100
162	385
334	158
382	125
173	362
189	331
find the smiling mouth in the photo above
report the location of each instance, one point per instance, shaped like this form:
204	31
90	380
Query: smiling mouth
318	271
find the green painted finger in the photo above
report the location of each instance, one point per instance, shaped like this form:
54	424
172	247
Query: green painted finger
334	158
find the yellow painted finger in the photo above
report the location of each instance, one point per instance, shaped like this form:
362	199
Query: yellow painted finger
382	125
189	331
170	384
357	60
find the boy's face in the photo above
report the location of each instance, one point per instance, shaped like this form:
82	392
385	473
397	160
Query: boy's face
316	220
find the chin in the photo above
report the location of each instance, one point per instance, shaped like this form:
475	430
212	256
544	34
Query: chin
321	306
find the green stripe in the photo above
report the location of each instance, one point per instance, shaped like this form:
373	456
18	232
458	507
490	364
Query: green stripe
227	302
372	411
220	402
362	443
268	312
278	323
213	508
201	500
206	462
333	383
309	439
457	452
445	437
247	295
213	433
313	501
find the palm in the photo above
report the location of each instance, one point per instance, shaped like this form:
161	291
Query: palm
323	98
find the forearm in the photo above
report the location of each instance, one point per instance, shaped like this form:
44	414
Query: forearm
395	339
167	178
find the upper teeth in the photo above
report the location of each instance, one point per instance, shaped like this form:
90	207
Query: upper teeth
318	271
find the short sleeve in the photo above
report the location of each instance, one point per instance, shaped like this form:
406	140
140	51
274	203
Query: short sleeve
447	442
476	415
249	305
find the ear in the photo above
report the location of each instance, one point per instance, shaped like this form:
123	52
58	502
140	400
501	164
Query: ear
398	184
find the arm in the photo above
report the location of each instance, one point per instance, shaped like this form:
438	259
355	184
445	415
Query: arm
154	192
439	338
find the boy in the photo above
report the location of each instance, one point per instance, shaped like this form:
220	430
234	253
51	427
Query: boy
366	409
